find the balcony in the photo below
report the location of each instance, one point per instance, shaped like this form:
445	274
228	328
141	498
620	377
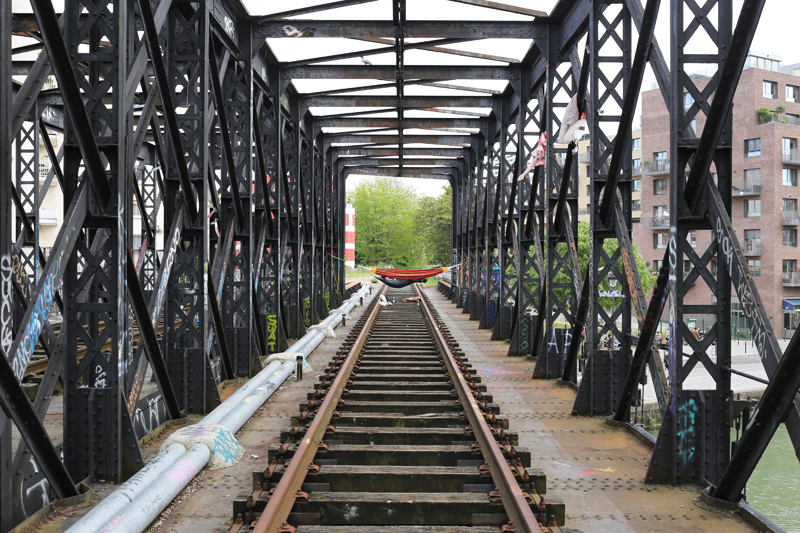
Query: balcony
636	171
791	279
656	222
48	215
791	156
746	188
791	218
752	247
656	167
776	118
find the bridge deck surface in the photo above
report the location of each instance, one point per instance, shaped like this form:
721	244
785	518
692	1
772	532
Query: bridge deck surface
596	469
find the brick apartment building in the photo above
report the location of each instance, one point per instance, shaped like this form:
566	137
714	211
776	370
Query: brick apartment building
765	211
584	191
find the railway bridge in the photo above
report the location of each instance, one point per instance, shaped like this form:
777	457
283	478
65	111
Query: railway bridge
198	151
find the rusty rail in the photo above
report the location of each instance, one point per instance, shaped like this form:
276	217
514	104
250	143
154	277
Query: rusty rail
274	517
514	500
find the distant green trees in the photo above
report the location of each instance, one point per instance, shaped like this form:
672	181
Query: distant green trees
395	226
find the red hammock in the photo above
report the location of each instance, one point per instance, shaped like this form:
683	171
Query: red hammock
393	273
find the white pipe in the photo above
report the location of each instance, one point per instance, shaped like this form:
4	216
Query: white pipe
144	499
95	519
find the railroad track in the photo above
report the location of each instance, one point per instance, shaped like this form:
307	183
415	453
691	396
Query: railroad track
398	432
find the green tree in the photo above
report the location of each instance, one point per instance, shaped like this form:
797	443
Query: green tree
435	227
385	220
648	279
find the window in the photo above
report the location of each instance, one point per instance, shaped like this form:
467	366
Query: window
789	149
752	241
137	243
752	208
770	89
789	205
589	189
752	147
692	238
790	238
637	144
660	156
752	180
660	211
792	93
637	185
660	240
636	205
790	177
687	267
660	187
637	166
688	100
789	265
755	267
657	265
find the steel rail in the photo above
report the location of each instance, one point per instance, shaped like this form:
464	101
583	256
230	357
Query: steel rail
514	501
282	500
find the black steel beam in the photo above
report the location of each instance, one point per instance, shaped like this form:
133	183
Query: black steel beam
392	122
415	29
412	72
417	102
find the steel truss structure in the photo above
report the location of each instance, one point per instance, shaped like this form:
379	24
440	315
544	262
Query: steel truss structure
178	115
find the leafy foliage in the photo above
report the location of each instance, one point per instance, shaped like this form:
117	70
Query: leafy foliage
396	227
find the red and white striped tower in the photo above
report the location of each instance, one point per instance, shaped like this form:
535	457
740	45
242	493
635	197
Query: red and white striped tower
350	236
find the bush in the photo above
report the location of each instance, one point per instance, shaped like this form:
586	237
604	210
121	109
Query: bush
764	114
780	109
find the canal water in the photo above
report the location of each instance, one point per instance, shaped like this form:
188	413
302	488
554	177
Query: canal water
773	487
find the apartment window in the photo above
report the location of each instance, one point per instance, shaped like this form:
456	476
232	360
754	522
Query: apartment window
752	147
637	185
660	156
792	93
637	165
636	205
589	189
752	208
659	211
789	149
755	267
137	243
789	266
770	89
660	240
637	144
657	265
688	100
692	238
660	187
790	238
752	180
789	205
790	177
752	241
687	267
